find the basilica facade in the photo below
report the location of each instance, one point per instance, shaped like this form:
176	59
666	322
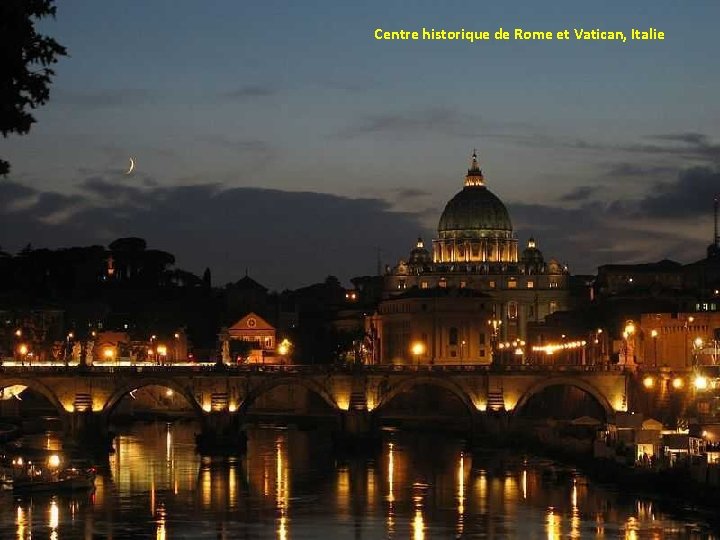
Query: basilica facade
475	249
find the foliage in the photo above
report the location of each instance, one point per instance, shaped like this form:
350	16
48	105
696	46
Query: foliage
23	85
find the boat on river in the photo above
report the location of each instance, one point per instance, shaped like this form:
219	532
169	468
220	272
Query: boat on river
62	481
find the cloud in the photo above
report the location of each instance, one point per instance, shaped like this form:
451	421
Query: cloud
286	239
103	98
690	195
435	120
626	170
580	193
14	194
250	91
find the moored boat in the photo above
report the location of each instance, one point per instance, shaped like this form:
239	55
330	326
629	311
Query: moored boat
63	481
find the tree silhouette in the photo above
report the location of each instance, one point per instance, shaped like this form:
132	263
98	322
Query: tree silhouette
25	57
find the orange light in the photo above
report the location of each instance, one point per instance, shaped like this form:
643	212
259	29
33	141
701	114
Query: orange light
648	382
678	383
418	348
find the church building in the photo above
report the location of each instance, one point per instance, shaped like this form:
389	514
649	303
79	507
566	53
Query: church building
476	249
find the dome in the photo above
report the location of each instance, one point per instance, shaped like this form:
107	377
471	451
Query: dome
419	255
475	208
531	254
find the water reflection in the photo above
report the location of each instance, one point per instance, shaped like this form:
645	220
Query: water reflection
290	484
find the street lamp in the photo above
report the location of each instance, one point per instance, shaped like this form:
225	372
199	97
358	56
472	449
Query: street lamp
162	354
688	321
109	353
654	335
23	350
284	349
495	325
418	349
462	351
697	349
67	347
627	334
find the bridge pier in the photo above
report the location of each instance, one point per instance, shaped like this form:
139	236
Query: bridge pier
87	432
357	431
490	428
222	434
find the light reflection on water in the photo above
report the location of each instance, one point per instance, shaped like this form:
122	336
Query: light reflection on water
290	485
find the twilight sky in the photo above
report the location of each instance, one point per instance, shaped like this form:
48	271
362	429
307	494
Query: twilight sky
280	137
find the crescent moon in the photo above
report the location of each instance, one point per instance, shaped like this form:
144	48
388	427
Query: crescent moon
132	166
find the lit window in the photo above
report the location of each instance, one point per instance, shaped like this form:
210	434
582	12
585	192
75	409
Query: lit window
491	284
512	310
424	285
553	307
463	284
531	284
512	284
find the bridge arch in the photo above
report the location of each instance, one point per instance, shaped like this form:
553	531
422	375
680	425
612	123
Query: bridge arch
581	384
427	380
119	393
36	386
270	385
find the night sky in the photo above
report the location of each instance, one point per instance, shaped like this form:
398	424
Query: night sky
282	138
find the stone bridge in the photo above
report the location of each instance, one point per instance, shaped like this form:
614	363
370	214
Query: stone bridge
85	398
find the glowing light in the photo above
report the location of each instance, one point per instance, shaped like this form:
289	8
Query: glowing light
630	328
343	401
418	525
648	382
677	383
552	525
480	405
207	407
54	516
551	348
109	353
162	350
169	392
23	349
18	332
461	486
54	461
700	382
418	348
232	407
654	333
284	347
698	342
391	473
524	483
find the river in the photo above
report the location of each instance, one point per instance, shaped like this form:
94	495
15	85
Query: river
290	485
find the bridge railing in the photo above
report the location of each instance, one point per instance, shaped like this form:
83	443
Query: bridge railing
304	369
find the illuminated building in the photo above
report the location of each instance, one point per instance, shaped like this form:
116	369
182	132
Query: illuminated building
679	340
251	339
477	249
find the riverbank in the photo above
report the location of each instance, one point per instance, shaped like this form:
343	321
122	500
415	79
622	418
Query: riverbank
671	489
